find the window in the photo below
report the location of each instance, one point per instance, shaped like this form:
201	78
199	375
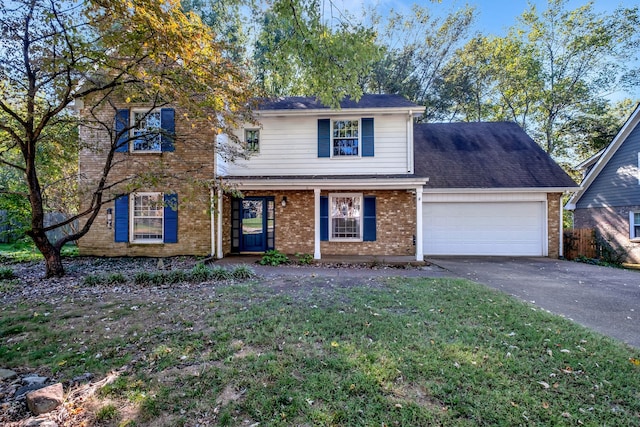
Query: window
145	131
252	139
147	128
634	225
346	217
147	217
345	137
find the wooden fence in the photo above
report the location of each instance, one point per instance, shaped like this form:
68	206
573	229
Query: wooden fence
580	242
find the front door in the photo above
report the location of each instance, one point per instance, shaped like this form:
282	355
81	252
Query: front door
252	224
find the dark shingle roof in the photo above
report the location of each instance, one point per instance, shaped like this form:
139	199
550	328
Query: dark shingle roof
310	103
483	155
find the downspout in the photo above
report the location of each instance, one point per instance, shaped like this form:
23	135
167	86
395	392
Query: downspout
212	207
219	253
561	226
410	142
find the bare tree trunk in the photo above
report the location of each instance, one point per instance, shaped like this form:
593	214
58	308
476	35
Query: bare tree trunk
51	253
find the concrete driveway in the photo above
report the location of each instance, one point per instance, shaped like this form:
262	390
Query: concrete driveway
601	298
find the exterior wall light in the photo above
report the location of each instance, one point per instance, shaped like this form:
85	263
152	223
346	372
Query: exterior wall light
109	217
284	201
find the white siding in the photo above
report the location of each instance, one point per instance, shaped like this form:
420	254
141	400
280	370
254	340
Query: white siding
289	146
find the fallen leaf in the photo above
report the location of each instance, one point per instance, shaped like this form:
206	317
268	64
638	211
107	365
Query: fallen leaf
545	405
634	361
545	385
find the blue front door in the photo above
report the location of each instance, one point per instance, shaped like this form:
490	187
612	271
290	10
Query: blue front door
253	224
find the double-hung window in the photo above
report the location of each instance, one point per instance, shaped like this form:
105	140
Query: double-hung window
252	139
345	138
634	225
145	131
147	213
147	128
346	217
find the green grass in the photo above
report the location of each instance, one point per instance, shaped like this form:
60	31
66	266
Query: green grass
403	352
25	251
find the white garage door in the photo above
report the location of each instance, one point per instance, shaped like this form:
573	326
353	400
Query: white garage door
486	228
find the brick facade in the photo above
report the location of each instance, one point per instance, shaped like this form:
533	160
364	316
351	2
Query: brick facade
554	220
295	226
611	225
181	171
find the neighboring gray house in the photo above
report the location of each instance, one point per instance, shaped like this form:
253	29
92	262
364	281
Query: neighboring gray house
609	198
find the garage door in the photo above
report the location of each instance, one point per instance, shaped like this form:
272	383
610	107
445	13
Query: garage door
488	228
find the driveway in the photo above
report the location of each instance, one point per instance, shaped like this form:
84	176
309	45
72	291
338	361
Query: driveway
604	299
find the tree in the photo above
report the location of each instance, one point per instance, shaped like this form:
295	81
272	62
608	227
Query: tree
298	52
549	74
56	54
417	45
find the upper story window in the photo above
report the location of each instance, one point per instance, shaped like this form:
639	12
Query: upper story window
147	128
145	131
345	137
252	139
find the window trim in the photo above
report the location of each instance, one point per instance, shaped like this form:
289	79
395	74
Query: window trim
361	218
331	137
133	127
132	218
632	224
255	149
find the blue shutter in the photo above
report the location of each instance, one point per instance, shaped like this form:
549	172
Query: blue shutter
168	123
324	218
324	138
121	221
170	218
369	226
367	138
122	123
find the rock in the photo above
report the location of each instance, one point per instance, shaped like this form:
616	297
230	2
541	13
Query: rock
84	378
20	392
7	374
37	422
34	380
45	399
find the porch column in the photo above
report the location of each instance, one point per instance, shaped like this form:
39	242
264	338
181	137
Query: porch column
316	219
219	253
419	253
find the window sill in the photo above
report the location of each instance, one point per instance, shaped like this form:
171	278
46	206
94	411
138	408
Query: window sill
346	240
635	240
146	243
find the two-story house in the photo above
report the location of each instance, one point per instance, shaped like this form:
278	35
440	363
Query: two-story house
363	179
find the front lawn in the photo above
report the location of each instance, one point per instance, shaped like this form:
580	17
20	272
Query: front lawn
313	350
26	251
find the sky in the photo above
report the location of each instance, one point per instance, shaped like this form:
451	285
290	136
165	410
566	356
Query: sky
496	16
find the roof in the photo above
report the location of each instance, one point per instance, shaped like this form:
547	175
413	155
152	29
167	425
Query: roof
311	103
604	158
484	155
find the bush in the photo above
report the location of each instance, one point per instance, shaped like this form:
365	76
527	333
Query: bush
242	272
6	273
200	272
304	259
176	276
220	273
274	257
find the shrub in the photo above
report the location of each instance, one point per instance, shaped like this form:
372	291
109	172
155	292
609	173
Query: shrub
200	272
106	413
6	273
304	259
274	257
242	272
220	273
176	276
142	278
115	278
